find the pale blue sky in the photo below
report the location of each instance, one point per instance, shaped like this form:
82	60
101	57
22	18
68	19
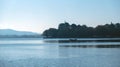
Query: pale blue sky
38	15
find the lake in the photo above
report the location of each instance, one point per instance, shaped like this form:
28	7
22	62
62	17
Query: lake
38	52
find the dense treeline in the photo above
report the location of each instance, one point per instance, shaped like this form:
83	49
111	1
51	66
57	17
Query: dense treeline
65	30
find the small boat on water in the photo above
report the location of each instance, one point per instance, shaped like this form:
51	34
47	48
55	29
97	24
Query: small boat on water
69	40
73	40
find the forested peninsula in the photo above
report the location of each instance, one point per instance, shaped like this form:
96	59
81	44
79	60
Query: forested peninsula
66	30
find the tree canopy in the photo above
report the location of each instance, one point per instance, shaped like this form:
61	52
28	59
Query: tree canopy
65	30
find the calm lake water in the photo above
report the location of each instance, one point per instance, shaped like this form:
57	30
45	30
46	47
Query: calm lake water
38	52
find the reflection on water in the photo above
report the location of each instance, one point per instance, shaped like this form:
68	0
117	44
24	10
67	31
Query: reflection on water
51	53
77	40
92	46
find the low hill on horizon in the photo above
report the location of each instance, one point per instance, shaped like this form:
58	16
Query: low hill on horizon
11	32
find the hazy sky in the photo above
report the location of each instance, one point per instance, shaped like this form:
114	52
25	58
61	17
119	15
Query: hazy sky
38	15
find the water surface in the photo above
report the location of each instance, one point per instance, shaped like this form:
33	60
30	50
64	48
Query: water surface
38	52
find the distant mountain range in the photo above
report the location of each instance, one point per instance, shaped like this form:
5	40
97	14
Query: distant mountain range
10	32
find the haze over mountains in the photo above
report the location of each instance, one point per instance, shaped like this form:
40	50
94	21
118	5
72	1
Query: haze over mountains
14	32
